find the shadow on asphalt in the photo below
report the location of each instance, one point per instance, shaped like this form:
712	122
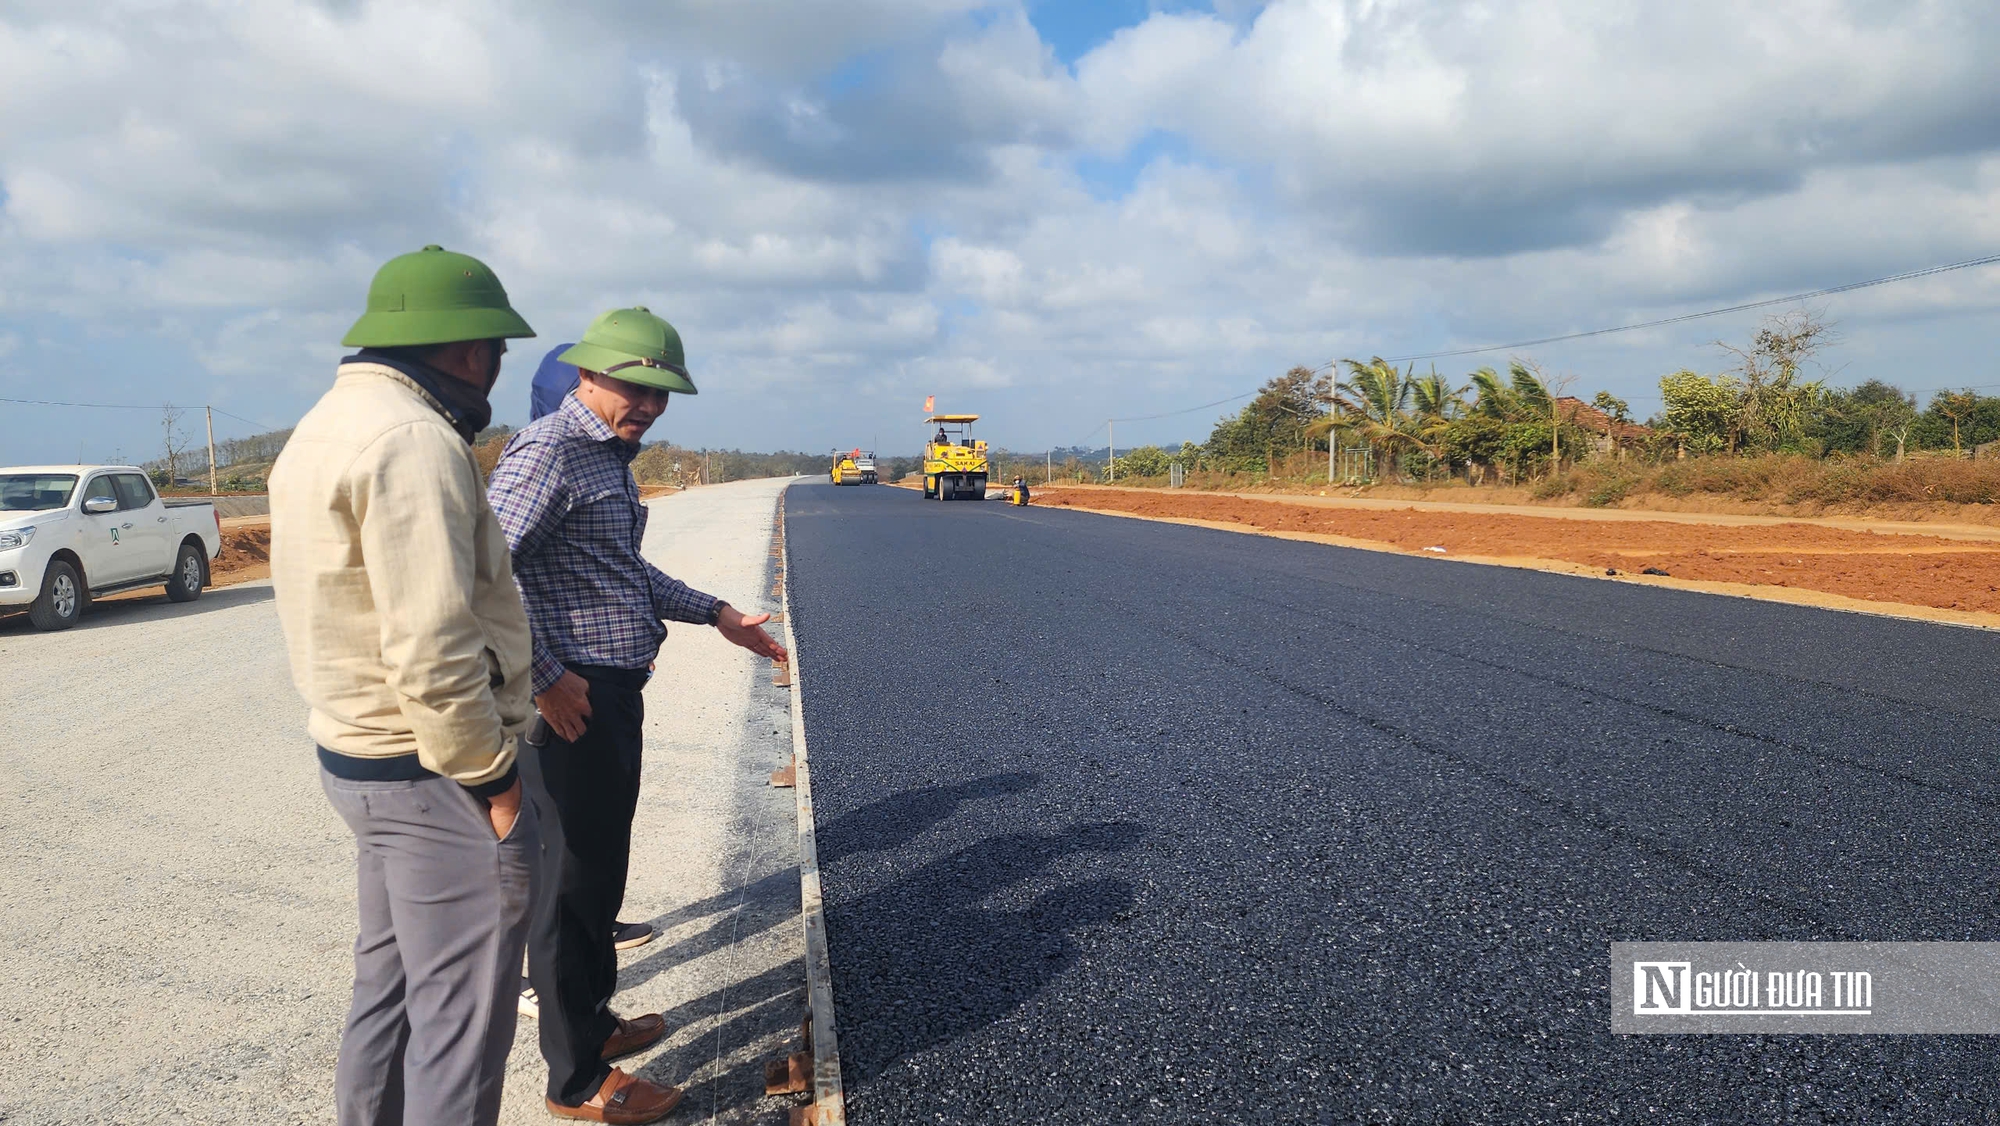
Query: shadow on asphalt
962	963
117	611
946	896
898	820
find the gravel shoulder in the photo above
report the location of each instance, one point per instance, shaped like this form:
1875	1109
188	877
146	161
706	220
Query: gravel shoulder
176	897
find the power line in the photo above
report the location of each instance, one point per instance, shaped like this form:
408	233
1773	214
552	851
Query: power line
240	418
1796	297
136	407
1151	417
1188	410
93	406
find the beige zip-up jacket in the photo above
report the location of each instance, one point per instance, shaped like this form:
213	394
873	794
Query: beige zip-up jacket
393	584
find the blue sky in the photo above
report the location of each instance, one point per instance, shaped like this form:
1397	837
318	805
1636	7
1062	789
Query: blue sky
1046	213
1072	30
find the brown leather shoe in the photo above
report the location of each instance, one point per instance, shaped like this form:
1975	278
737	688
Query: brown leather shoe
635	1035
623	1099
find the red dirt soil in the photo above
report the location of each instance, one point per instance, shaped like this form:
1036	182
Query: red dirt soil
1875	566
246	555
246	544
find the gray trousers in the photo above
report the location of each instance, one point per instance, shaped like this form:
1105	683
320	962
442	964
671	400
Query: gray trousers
437	968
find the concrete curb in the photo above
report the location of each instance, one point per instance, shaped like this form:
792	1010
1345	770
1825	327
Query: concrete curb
829	1105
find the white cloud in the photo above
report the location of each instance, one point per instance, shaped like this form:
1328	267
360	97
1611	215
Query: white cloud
1418	122
847	207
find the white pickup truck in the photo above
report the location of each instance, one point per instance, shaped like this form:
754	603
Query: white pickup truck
68	532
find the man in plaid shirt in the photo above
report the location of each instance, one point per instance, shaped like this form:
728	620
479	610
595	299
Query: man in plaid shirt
570	509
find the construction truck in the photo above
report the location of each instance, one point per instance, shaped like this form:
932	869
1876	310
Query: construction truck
864	460
954	462
846	469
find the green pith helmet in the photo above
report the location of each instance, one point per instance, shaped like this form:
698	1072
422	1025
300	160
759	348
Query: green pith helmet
635	346
434	296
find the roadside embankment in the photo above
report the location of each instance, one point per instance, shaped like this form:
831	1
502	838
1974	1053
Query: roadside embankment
1927	487
1944	573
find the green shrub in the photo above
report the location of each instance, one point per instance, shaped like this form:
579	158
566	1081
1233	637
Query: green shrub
1555	485
1608	491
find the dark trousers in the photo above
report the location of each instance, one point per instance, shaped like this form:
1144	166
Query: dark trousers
587	792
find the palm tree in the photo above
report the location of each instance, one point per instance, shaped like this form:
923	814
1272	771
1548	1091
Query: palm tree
1538	401
1374	401
1437	404
1496	399
1522	396
1436	398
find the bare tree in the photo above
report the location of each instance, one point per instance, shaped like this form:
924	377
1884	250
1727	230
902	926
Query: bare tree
1957	406
1896	419
1774	400
1536	394
176	442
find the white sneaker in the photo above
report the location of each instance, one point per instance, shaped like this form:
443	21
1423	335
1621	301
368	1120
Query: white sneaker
529	1006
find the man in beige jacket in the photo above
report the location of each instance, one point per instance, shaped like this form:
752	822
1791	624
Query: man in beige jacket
409	642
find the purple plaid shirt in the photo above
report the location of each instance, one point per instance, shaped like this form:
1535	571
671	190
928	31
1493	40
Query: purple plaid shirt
566	499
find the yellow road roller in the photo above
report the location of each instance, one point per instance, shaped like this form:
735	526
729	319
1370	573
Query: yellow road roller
954	461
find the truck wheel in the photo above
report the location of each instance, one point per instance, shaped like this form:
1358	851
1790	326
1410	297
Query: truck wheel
61	600
186	583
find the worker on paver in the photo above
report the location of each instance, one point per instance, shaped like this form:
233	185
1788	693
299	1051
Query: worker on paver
408	640
566	498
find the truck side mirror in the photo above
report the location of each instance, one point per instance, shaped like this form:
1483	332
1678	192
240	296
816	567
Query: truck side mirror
98	506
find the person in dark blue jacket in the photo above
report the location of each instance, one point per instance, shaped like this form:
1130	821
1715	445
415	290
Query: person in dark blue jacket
553	380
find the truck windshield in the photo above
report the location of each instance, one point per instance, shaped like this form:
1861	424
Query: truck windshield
35	492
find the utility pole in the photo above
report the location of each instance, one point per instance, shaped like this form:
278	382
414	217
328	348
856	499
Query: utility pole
210	412
1111	459
1049	467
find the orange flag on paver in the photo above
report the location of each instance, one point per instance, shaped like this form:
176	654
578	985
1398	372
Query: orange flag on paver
930	403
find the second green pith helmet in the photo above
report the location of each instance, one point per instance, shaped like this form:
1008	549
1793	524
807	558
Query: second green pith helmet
433	296
635	346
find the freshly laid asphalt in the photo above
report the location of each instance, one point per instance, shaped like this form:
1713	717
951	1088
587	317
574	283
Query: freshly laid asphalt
1123	821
